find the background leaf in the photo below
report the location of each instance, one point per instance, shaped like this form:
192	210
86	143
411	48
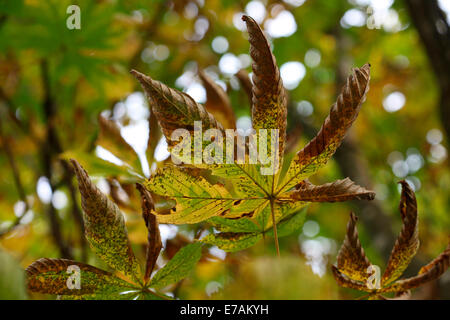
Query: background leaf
12	278
232	241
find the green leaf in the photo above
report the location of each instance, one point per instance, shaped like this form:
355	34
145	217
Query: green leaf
196	198
102	168
111	139
152	296
178	267
12	278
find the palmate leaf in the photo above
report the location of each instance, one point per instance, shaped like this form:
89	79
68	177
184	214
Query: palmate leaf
240	190
51	276
431	271
352	263
105	227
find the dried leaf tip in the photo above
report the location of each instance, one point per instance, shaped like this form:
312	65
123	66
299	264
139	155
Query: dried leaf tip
408	205
249	21
142	78
146	200
154	236
83	179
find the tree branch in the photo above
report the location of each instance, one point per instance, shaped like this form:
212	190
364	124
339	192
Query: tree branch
434	32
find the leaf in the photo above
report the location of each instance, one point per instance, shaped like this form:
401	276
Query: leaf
105	226
290	224
150	296
110	138
407	243
351	259
174	109
218	103
154	237
196	198
178	267
12	278
269	110
239	234
192	193
430	272
51	276
100	167
232	241
352	264
342	115
339	190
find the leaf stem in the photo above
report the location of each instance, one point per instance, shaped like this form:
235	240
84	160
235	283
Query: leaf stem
274	225
157	294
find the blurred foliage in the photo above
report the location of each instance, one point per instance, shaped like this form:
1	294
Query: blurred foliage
55	82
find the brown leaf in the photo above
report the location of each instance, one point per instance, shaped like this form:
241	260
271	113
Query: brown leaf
105	226
218	103
339	190
342	115
407	243
430	272
154	237
51	276
351	259
269	110
174	109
